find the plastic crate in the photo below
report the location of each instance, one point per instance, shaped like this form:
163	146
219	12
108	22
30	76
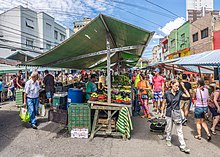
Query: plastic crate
19	97
60	101
79	116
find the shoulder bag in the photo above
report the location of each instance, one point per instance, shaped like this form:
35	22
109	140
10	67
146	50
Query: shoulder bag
176	114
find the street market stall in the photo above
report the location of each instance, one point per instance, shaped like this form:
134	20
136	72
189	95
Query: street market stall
88	48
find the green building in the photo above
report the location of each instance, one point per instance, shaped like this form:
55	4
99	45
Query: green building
179	41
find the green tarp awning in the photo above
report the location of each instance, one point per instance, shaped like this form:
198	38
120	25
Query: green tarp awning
76	52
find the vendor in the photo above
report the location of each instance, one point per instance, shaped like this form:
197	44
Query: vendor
91	86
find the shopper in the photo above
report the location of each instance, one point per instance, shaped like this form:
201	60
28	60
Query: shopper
214	107
173	114
0	90
12	87
158	89
185	102
91	86
18	80
49	86
31	94
200	97
143	85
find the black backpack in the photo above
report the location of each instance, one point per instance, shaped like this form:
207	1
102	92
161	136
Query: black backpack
158	125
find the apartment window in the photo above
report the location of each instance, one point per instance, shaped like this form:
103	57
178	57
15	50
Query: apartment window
29	23
62	37
195	37
48	46
173	43
29	43
204	33
48	26
55	34
183	38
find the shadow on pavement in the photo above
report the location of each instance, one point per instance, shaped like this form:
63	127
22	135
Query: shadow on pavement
10	127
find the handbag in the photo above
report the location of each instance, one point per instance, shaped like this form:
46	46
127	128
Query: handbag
176	114
144	96
205	113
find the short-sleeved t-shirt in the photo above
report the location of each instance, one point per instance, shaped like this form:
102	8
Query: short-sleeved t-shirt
157	83
173	101
142	84
90	87
49	83
188	86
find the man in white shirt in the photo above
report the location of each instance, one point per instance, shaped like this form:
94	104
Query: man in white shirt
31	94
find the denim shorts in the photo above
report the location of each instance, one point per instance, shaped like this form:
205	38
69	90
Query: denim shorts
49	95
214	112
200	112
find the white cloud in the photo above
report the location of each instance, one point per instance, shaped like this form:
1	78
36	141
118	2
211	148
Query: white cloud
172	25
64	11
157	36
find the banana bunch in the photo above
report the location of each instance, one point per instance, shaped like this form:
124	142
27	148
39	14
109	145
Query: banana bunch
94	95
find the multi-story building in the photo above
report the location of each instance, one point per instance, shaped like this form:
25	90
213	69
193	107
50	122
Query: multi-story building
164	46
156	54
202	31
197	8
77	25
179	42
24	29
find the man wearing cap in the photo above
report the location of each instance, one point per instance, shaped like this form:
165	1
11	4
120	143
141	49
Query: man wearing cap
31	94
158	88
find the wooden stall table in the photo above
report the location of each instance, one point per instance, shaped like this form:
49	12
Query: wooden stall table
97	106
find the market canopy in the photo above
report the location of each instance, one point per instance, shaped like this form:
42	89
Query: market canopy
87	48
208	58
20	56
9	69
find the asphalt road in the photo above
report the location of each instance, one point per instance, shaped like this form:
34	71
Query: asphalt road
50	140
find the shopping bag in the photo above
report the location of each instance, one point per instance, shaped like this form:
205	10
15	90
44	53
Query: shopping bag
42	110
24	115
9	94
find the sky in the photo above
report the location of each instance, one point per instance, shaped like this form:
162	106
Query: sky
137	12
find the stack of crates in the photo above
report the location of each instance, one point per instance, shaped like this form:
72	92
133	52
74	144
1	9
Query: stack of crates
60	102
19	97
79	116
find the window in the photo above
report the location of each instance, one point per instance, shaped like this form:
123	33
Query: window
183	38
204	33
173	43
195	37
48	27
55	34
62	37
29	43
29	23
48	46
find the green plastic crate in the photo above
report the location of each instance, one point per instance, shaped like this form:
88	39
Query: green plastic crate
19	97
79	116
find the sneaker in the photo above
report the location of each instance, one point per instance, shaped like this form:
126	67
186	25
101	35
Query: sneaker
34	126
184	121
185	150
168	143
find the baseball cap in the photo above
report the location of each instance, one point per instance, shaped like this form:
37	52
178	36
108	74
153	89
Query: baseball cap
157	70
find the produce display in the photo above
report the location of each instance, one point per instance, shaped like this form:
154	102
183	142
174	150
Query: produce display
120	96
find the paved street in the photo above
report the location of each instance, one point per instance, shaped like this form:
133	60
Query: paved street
17	140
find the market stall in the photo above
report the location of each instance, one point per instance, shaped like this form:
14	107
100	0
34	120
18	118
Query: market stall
88	49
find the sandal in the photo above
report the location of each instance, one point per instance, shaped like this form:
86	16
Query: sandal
198	137
143	116
209	137
213	132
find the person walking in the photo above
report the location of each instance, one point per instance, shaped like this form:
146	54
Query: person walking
31	95
173	114
185	102
18	80
143	85
12	87
49	86
158	89
200	97
214	107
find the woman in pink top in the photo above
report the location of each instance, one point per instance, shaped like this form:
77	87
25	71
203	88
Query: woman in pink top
201	95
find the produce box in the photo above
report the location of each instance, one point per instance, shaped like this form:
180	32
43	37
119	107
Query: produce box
60	101
79	116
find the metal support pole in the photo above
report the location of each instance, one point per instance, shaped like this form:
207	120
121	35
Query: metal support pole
26	68
108	66
200	75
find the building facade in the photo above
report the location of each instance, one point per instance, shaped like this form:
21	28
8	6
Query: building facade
77	25
172	45
202	33
24	29
196	8
164	46
156	54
